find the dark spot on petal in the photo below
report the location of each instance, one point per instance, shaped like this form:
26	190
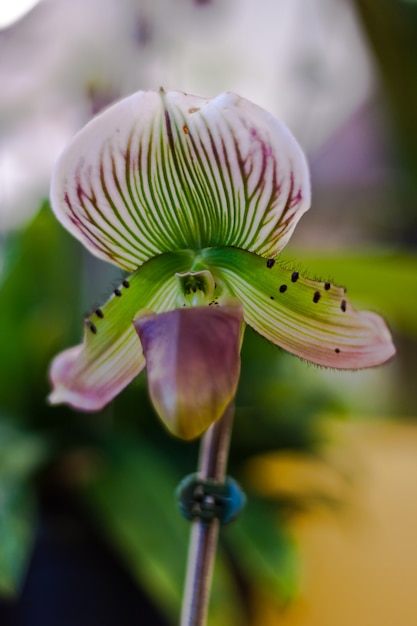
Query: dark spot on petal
185	130
272	297
343	305
126	284
283	288
91	326
294	277
117	292
327	286
193	110
270	263
317	296
99	313
337	350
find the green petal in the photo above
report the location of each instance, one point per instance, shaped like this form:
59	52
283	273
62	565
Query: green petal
170	171
91	374
311	319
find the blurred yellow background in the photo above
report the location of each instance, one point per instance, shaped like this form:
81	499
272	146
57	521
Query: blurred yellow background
358	554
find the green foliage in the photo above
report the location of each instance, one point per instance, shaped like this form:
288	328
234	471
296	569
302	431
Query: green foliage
37	313
132	496
16	534
21	453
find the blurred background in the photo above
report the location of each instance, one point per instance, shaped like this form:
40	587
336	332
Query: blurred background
89	531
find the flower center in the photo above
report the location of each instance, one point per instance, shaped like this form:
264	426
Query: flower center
196	288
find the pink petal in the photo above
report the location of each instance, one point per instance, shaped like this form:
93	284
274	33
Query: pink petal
193	364
90	385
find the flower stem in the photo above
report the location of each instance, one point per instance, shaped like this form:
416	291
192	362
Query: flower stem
203	540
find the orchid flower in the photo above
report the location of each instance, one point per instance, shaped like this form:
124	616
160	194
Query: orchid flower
195	198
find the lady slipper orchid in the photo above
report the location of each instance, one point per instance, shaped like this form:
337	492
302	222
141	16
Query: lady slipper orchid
195	198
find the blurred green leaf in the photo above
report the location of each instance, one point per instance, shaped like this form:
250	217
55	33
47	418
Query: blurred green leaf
264	550
17	514
39	305
133	498
9	252
21	453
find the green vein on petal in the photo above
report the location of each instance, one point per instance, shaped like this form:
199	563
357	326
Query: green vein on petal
311	319
89	375
158	172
